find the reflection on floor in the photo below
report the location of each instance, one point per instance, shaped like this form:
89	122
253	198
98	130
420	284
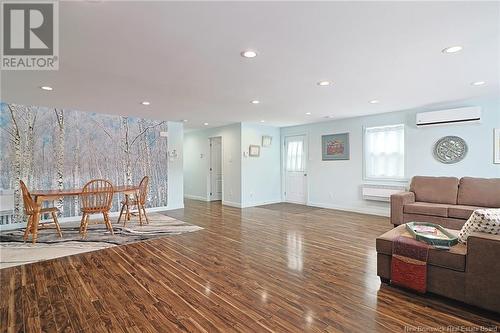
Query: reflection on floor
250	270
290	208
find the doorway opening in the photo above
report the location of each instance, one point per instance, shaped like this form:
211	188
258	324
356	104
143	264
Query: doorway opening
215	169
295	169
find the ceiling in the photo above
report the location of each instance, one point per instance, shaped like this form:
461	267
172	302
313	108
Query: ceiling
185	59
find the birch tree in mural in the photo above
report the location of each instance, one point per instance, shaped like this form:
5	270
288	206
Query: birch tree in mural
57	149
28	157
15	142
60	158
76	171
126	150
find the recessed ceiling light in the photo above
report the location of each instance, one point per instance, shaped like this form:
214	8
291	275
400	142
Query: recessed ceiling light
255	101
452	49
145	103
206	124
46	88
249	54
184	120
262	121
308	113
478	83
324	83
374	101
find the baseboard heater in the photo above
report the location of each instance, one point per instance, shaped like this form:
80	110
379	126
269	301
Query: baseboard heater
377	192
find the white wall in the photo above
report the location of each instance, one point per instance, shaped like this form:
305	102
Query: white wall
247	181
336	184
260	176
175	199
196	163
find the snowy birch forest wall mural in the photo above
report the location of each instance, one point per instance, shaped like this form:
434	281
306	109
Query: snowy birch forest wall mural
51	148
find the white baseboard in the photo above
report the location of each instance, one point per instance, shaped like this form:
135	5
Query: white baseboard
379	211
231	204
195	197
260	203
249	204
164	208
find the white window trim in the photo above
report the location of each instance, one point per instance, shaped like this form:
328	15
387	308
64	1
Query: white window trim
379	180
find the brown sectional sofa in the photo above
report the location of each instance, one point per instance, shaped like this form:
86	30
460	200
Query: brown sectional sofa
447	201
467	273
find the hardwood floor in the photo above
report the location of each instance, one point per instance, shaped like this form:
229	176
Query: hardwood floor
251	270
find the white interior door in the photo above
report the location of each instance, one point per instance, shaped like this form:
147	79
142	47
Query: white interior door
295	169
216	168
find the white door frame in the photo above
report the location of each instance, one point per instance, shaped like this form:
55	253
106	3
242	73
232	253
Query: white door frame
209	173
283	164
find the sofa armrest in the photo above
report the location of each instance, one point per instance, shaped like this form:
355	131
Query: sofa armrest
483	271
398	200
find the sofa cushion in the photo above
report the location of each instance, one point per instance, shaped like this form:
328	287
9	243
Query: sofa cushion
427	208
461	211
435	189
454	258
484	192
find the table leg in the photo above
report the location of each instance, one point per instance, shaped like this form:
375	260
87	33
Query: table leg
36	219
127	215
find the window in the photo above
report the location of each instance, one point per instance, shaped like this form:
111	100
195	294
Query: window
385	152
294	156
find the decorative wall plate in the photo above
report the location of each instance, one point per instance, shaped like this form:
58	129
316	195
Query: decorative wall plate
450	149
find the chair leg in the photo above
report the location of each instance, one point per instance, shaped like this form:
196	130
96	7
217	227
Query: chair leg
145	215
108	223
128	213
82	222
121	213
58	227
85	225
34	227
140	214
28	227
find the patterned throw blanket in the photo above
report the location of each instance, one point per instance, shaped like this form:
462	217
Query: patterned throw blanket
409	264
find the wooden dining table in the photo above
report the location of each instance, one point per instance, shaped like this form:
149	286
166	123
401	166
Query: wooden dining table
40	196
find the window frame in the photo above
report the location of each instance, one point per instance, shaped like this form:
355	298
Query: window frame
404	178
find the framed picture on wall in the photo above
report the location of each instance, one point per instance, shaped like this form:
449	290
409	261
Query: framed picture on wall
254	151
496	145
266	140
335	147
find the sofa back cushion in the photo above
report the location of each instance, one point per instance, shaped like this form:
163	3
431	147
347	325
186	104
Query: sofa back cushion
484	192
435	189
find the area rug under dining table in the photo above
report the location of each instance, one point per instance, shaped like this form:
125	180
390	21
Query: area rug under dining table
15	251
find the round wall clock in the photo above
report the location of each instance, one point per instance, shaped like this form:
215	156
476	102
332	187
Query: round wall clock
450	149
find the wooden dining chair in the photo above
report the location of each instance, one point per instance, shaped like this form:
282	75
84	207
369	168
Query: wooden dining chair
96	198
138	200
31	209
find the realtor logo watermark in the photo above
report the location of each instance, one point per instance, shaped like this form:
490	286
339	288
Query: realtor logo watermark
30	35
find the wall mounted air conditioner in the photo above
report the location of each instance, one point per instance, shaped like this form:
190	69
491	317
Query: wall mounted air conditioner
450	116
